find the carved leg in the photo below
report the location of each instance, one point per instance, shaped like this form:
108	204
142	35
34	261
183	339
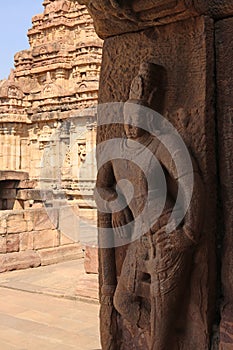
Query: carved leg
124	300
169	292
129	305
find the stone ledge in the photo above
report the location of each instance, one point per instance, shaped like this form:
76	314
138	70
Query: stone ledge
13	175
34	194
110	20
63	253
19	260
34	258
27	184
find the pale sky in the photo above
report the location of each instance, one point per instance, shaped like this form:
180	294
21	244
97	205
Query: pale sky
15	20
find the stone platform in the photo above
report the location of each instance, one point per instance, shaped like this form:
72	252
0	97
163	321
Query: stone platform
64	280
50	307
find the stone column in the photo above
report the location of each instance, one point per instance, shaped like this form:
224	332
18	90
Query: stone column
1	147
65	151
74	157
90	151
14	149
24	154
17	152
7	149
224	49
180	37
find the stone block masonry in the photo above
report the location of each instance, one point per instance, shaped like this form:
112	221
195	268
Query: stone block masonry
34	237
48	127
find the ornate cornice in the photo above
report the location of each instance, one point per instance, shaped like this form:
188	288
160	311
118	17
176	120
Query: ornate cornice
113	17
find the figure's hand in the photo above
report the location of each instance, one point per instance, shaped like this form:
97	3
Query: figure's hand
120	220
173	242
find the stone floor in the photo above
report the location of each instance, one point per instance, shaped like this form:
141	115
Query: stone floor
66	279
52	307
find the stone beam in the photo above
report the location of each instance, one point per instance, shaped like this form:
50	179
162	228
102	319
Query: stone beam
113	17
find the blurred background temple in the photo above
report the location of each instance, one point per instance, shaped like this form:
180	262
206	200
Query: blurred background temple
48	132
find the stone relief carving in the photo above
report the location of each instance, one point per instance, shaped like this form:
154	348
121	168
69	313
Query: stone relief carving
14	92
10	88
66	166
116	16
82	151
153	269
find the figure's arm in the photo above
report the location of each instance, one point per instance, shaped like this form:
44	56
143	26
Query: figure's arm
108	200
106	196
105	191
191	200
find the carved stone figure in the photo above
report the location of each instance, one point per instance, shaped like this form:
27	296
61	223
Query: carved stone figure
153	267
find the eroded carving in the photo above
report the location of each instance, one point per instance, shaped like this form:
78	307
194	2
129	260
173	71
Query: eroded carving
152	270
114	17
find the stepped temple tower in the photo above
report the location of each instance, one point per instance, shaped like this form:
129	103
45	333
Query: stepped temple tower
53	81
47	134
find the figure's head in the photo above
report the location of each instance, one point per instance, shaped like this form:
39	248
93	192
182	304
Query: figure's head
133	132
133	120
146	97
137	120
149	86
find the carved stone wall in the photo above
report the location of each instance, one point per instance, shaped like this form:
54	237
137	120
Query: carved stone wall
30	239
47	129
32	234
113	17
183	49
183	37
44	96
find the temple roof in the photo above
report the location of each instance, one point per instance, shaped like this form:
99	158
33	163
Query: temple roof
63	62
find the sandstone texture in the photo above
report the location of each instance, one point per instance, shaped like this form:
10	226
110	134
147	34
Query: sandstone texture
118	17
47	134
35	237
91	259
173	46
225	131
48	105
192	41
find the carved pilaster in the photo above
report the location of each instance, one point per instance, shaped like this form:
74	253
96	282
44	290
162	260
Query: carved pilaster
186	51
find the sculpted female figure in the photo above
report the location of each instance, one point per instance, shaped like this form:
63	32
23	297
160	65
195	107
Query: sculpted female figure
160	219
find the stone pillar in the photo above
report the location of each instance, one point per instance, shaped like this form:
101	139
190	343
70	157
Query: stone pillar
56	147
24	157
183	48
35	152
1	147
17	152
180	37
14	149
90	153
74	152
65	150
224	49
7	149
